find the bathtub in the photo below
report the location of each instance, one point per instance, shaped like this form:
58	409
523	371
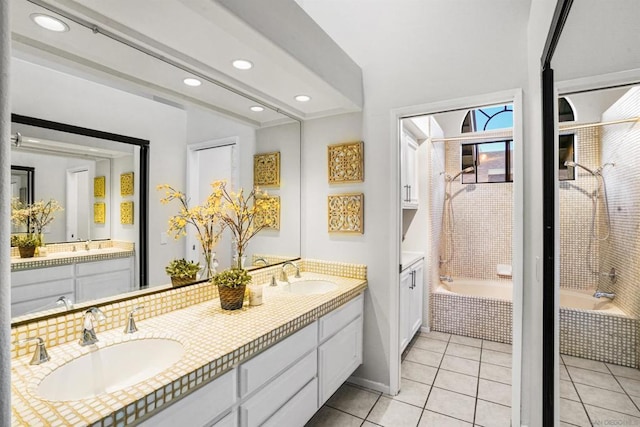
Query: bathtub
591	328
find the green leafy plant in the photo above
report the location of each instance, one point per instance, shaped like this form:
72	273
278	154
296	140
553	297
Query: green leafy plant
26	241
232	278
182	268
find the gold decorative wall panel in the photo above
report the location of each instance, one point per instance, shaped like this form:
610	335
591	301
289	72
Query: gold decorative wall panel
266	169
346	162
270	218
126	213
126	184
99	186
99	212
346	213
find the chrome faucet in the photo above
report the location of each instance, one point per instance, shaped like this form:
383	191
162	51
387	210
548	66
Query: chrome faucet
131	324
87	245
94	314
600	294
262	260
283	275
40	355
68	304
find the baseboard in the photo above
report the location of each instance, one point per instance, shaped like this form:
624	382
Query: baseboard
372	385
425	329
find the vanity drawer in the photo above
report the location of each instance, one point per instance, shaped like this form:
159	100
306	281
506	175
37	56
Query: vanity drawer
261	406
37	275
200	407
270	363
298	410
339	318
106	266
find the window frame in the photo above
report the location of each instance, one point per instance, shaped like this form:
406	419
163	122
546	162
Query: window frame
508	175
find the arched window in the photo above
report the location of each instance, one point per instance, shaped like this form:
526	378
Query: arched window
488	118
565	111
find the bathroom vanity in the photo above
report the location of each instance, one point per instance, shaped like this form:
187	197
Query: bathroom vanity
81	275
273	364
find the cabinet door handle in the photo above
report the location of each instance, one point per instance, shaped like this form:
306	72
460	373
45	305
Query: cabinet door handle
409	195
413	279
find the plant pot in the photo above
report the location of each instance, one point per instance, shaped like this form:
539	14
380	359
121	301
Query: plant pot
231	298
181	281
26	251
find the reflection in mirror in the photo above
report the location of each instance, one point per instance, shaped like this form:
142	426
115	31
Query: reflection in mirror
22	181
92	80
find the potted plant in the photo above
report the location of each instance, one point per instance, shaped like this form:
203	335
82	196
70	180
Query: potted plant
182	271
231	286
35	216
26	244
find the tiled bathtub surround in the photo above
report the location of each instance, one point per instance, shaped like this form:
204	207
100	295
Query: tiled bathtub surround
592	334
255	328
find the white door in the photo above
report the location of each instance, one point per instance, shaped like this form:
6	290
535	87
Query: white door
77	209
208	162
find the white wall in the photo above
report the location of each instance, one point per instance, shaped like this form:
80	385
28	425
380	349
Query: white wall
411	53
40	92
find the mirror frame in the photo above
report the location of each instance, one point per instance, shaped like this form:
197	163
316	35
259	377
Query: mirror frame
143	144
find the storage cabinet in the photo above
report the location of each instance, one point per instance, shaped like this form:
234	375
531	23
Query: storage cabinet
409	176
411	295
100	279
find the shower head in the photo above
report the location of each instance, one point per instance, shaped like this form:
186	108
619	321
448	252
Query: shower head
574	164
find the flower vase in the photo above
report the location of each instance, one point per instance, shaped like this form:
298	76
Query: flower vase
40	237
243	259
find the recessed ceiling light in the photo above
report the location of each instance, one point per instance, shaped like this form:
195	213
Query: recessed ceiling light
190	81
256	108
49	22
242	64
302	98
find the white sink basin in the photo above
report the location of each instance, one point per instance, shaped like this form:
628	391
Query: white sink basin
312	287
110	369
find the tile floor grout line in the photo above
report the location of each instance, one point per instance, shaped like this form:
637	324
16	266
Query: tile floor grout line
584	408
475	407
623	389
370	410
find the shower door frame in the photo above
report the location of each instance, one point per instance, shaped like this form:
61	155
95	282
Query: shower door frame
509	96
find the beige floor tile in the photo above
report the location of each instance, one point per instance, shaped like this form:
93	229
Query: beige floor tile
461	365
496	358
494	392
624	371
564	374
392	413
498	373
472	342
329	417
455	405
432	419
630	385
568	391
464	351
456	382
579	362
353	400
436	335
418	372
605	417
413	393
496	346
593	378
425	357
573	412
490	414
430	344
367	424
618	402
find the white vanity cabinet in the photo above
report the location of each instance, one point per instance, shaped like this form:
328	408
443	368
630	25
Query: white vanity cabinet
411	295
284	385
100	279
409	177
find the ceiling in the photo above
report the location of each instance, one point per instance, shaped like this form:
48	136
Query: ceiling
180	38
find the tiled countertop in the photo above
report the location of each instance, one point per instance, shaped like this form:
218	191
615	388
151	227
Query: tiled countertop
63	258
214	340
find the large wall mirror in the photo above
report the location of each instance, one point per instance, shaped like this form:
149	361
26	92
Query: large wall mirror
88	80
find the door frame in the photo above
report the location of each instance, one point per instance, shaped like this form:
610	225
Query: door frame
193	172
514	96
70	172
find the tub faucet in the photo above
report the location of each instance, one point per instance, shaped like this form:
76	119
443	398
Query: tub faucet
600	294
94	314
283	275
446	278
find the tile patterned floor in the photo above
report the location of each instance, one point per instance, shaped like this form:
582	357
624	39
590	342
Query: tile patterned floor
451	381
